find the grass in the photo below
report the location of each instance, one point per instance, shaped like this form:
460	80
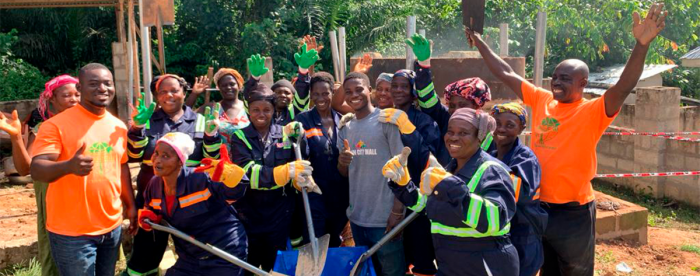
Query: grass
663	212
691	248
32	269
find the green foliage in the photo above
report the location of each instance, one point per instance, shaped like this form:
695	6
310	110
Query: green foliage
18	79
32	269
691	248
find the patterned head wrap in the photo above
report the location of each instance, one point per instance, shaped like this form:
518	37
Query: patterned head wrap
384	77
511	107
479	119
473	89
411	76
49	87
228	71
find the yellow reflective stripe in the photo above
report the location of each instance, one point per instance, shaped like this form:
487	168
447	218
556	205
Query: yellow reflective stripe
200	124
212	147
247	166
424	92
430	102
255	177
300	100
492	216
240	135
135	155
486	144
206	155
437	228
138	144
420	203
474	211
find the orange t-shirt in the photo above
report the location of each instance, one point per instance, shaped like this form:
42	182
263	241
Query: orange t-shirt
564	139
84	205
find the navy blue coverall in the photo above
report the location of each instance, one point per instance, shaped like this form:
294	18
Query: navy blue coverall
148	248
201	210
530	219
266	209
469	221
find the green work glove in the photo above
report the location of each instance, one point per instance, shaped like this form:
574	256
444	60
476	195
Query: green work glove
420	46
256	65
212	119
293	130
305	58
143	113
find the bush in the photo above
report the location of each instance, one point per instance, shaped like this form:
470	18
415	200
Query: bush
19	80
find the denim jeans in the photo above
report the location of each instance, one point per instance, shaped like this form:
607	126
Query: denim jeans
86	255
389	259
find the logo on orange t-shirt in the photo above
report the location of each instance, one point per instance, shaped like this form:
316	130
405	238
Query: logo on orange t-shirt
549	128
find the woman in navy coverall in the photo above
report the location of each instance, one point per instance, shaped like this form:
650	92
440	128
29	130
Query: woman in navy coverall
195	204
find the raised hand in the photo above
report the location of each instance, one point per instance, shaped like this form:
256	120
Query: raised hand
12	125
256	65
396	170
311	43
143	113
397	117
79	164
212	119
363	64
645	30
200	84
420	46
472	36
345	157
431	176
222	170
306	58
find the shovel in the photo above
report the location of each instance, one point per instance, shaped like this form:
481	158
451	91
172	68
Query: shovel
211	249
395	231
312	257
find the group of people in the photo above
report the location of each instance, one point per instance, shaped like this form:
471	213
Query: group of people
227	175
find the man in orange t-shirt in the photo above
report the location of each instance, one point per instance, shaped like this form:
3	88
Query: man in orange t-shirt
81	153
566	129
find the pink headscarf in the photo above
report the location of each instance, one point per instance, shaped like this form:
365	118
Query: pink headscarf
49	87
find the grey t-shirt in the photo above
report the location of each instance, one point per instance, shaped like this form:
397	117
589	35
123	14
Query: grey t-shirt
372	143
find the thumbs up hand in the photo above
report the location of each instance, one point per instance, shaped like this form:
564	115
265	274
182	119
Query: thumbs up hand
345	157
396	170
432	176
80	164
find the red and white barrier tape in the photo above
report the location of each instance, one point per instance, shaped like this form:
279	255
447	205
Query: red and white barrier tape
618	175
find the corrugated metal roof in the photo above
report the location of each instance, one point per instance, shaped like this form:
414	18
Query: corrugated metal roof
693	54
611	75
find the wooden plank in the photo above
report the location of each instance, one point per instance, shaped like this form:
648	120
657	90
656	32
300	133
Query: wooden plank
503	39
210	75
473	14
161	46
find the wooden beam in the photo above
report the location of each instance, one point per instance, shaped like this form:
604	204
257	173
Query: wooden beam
119	11
161	45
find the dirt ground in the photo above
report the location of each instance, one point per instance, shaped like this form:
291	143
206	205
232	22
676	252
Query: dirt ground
662	256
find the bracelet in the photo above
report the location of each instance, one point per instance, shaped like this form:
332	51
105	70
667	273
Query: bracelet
397	214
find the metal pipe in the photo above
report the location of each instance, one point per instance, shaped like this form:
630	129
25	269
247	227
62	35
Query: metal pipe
503	37
387	237
145	55
540	40
307	209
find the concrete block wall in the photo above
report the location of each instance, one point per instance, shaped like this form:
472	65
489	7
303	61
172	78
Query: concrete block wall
656	109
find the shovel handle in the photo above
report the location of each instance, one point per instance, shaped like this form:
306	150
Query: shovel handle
307	207
209	248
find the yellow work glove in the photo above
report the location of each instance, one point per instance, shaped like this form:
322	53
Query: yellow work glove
222	170
297	170
397	117
396	170
430	178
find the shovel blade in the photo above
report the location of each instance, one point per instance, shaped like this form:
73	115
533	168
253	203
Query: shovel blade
305	261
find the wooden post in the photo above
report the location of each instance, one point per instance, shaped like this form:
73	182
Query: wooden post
145	55
268	77
207	93
161	45
342	53
410	31
540	41
503	39
334	54
134	75
119	10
